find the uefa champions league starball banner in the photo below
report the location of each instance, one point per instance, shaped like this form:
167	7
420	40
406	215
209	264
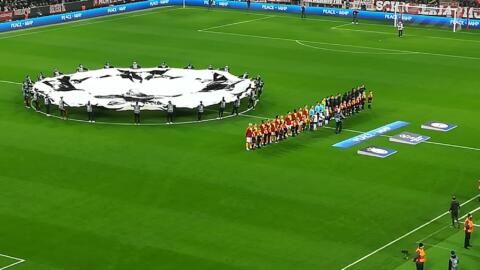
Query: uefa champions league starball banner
120	88
337	12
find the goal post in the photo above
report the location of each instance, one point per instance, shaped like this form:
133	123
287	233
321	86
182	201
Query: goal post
444	17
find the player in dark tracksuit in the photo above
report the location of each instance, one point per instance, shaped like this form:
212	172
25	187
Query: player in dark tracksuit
454	207
355	17
338	121
303	12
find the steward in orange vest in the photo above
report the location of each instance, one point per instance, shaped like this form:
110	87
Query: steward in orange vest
468	228
420	257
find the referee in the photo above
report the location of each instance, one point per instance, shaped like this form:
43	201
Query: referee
454	207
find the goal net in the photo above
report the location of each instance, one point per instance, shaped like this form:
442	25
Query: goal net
445	17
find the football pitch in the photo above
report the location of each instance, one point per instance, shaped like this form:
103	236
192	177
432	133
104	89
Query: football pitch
102	196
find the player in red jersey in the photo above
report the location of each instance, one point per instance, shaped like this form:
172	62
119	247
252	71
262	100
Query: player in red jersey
249	135
288	124
273	132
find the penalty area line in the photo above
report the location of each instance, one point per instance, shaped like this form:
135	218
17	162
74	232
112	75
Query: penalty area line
340	45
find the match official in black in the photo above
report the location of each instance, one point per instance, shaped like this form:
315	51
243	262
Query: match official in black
454	207
338	116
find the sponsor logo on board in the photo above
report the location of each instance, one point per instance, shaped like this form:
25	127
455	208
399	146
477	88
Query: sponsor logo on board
376	151
438	126
409	138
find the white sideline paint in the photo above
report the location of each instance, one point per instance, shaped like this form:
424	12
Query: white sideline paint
443	228
17	261
403	236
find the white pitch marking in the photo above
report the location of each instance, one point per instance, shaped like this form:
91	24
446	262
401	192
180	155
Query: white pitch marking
235	23
443	228
10	82
18	261
449	249
344	45
405	235
340	27
347	51
13	264
364	31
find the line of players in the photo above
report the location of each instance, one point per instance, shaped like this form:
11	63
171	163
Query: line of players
308	118
32	98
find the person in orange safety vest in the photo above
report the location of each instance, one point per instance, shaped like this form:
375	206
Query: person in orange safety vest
468	228
420	257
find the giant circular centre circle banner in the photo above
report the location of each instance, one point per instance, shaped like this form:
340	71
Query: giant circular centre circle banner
120	88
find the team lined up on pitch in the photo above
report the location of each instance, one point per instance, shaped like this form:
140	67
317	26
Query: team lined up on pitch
308	118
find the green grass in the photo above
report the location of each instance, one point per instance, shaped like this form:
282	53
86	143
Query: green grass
80	196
